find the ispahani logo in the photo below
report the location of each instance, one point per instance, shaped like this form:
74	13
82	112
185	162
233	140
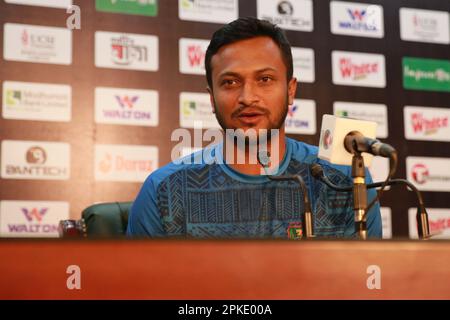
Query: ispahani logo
426	74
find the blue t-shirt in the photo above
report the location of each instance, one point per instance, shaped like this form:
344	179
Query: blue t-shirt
205	200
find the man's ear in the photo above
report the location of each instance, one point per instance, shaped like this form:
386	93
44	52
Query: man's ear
292	89
211	98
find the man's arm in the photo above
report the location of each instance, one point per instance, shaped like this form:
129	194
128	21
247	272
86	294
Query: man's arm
144	219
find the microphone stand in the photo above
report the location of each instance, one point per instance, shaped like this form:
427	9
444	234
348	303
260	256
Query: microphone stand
307	219
423	226
359	195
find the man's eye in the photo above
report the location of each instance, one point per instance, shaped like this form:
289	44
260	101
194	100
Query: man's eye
266	79
229	82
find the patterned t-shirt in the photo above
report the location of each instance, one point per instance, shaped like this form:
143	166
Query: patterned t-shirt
212	200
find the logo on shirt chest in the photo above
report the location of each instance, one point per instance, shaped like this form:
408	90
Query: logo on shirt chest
294	231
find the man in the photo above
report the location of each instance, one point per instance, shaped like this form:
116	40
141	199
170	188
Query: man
250	81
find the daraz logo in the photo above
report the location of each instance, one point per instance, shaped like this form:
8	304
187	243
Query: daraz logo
426	74
34	214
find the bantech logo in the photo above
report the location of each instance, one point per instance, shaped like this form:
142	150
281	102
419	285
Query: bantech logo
291	15
354	19
35	160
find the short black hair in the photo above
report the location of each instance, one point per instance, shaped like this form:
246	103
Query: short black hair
246	28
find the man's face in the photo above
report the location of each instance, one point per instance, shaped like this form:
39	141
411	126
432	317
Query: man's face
250	89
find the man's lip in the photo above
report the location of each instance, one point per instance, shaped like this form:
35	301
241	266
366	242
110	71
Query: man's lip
250	114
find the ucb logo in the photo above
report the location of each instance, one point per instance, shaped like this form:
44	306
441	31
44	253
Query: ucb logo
36	155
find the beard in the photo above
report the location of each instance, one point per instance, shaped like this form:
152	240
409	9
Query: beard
277	123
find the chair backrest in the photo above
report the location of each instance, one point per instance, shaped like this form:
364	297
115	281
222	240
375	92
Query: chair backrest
106	219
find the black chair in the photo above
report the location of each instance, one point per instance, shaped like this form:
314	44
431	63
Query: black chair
104	220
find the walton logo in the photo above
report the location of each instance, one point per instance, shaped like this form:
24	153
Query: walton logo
124	51
196	56
356	14
297	123
356	72
36	155
420	173
126	101
427	126
34	214
292	109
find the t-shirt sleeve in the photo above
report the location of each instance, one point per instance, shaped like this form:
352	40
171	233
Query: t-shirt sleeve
144	219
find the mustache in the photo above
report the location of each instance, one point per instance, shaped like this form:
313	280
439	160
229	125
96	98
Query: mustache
257	109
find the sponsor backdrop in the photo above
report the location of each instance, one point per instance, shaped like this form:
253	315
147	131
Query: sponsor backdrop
88	113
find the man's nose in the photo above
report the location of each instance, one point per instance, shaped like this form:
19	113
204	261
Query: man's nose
248	94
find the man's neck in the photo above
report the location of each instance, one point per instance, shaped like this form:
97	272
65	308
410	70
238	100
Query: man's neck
251	166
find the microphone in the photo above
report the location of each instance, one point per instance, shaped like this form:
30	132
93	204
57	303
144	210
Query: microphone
333	134
355	142
307	219
422	215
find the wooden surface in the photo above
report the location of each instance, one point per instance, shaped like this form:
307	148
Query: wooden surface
171	269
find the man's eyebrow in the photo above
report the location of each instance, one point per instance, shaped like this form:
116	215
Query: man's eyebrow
236	74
